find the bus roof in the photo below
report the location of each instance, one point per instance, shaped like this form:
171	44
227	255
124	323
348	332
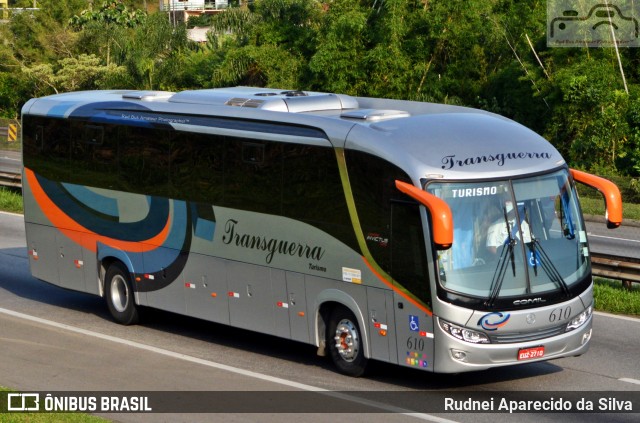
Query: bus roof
427	140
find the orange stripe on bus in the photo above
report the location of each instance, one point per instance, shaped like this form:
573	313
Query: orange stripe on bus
394	288
81	235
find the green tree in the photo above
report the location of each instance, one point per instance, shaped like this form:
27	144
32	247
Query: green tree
152	54
84	72
14	89
266	44
39	37
389	61
590	121
337	64
107	28
32	40
110	13
262	66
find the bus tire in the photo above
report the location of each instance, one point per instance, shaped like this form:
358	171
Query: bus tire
345	342
119	295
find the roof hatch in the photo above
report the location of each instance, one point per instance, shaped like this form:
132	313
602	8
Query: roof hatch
374	115
147	95
267	99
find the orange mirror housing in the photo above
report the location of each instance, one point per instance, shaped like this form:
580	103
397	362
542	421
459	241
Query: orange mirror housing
609	190
441	216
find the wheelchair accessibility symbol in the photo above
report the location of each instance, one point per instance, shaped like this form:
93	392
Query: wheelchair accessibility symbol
534	259
414	323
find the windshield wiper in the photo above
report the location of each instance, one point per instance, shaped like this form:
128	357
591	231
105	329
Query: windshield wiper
536	250
548	266
501	269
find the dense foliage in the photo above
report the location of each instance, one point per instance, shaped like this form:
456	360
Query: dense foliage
490	54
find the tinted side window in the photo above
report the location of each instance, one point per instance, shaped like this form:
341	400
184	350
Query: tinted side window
293	180
32	140
94	155
47	146
144	160
313	192
373	184
253	175
391	223
197	167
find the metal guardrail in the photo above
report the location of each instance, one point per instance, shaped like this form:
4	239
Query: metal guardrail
8	179
625	269
10	162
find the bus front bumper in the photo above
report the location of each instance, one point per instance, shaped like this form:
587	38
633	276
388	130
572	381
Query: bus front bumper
454	356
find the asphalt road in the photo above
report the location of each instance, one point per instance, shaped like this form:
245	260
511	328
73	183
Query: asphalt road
623	241
57	340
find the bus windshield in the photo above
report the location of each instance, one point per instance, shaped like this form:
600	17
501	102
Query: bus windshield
513	237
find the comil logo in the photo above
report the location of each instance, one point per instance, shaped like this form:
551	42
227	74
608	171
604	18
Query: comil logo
529	301
23	402
593	23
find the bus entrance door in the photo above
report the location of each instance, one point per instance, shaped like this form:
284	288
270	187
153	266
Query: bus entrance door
413	320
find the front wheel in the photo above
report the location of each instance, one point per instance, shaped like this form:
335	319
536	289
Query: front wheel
345	343
119	295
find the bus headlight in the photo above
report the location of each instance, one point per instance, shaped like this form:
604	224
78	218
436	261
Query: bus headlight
464	334
579	320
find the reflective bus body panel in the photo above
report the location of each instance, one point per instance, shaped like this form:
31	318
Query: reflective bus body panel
202	239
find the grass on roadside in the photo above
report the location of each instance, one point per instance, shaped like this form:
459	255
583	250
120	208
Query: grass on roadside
612	297
595	206
10	200
46	417
10	146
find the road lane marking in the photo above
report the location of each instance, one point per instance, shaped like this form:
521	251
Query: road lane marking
629	380
612	237
12	214
220	366
616	316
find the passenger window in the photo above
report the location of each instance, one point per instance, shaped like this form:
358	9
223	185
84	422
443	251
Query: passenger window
253	175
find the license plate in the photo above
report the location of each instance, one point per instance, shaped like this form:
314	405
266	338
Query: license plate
529	353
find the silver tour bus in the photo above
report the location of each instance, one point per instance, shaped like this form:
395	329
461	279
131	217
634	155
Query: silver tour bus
437	237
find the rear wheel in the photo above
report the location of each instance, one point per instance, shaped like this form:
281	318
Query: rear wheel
345	343
119	295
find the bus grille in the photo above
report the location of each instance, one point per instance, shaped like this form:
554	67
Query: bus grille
514	337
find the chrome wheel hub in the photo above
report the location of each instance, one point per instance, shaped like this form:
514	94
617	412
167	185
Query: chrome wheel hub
347	340
119	293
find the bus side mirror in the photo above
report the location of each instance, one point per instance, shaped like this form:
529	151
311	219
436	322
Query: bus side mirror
441	216
609	190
